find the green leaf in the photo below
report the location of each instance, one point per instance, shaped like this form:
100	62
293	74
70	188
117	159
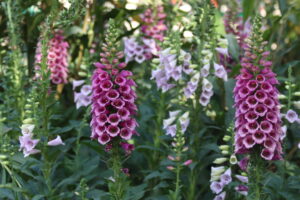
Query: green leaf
136	192
248	8
233	46
97	194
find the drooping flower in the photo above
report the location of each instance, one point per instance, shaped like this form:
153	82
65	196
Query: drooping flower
242	189
57	59
55	142
82	98
207	92
27	143
169	125
220	196
243	179
216	173
226	177
216	187
167	70
257	113
291	116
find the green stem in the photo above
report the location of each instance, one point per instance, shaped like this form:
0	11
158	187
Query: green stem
158	131
290	87
191	194
255	177
117	187
177	186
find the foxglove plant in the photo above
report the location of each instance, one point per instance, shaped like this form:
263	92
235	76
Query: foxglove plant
113	106
235	25
154	23
139	53
258	123
222	176
153	29
175	126
57	59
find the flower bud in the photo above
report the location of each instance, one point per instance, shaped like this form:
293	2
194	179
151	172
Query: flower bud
28	121
3	157
226	138
297	104
217	170
233	159
224	147
82	74
244	174
173	51
185	149
297	94
28	106
225	152
5	162
220	160
155	60
171	157
281	96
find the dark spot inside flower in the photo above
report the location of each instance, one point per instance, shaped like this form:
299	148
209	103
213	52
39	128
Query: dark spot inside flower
245	90
253	125
260	78
266	153
253	84
265	126
113	129
259	135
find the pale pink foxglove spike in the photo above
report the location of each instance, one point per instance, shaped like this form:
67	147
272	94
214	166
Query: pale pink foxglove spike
57	59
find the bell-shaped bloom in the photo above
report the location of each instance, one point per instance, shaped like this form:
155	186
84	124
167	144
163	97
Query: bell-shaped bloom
291	116
226	177
216	187
220	71
220	196
27	144
243	179
55	142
